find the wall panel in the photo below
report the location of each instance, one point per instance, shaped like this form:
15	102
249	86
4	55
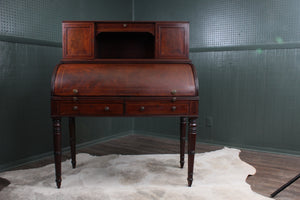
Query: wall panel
247	58
30	43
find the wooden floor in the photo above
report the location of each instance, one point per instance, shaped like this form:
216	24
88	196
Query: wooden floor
273	170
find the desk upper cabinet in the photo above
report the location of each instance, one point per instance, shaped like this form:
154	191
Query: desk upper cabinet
172	40
123	40
78	40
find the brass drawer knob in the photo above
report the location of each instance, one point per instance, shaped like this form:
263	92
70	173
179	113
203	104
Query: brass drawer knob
75	107
124	25
75	91
173	99
106	108
142	108
173	108
173	92
75	99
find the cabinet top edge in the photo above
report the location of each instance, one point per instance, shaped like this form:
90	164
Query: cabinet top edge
124	61
70	21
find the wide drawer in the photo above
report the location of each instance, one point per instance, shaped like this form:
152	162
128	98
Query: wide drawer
90	109
125	27
156	108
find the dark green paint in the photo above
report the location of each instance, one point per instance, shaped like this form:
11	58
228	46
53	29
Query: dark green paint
247	57
219	23
30	47
21	40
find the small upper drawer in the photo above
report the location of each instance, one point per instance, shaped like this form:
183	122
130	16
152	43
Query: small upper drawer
125	27
90	109
156	108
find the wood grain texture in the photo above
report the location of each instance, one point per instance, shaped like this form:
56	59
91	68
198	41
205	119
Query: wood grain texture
172	40
57	149
90	109
78	40
72	140
191	148
125	80
125	27
120	40
156	108
83	40
183	125
124	107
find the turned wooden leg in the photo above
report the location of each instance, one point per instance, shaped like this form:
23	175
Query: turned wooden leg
57	149
183	122
191	149
72	140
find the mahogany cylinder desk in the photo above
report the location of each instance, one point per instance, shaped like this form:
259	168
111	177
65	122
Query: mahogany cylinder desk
128	69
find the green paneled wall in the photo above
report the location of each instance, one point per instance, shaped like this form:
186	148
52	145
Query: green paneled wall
252	98
30	47
24	103
247	58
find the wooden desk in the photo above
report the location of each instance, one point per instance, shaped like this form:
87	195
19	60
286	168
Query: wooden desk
145	73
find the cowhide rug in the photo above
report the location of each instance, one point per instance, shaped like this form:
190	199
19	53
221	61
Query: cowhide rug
218	175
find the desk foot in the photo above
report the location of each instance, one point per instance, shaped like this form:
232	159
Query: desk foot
191	148
72	140
183	122
58	183
57	149
181	164
190	181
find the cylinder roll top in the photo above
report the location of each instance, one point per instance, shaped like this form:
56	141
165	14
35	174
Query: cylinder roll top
124	80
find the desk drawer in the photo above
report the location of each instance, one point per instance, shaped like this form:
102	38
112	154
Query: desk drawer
92	109
125	27
156	108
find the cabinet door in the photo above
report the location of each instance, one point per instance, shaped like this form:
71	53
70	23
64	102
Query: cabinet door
172	40
78	40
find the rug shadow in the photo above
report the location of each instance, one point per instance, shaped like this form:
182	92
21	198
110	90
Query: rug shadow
3	183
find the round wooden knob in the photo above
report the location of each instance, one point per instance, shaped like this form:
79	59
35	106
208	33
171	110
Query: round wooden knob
75	107
173	92
75	91
106	108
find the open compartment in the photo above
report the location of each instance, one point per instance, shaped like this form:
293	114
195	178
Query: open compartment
120	45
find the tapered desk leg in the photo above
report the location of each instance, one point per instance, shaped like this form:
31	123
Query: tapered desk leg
57	149
72	140
191	149
183	122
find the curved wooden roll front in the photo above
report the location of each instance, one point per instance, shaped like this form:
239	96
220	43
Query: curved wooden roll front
125	80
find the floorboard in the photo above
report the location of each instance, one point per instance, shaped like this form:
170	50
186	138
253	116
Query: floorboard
273	170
